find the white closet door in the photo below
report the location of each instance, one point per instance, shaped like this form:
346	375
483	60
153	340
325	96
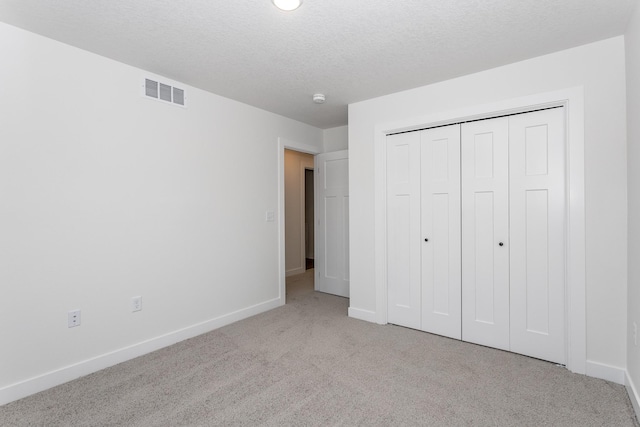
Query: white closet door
537	234
332	171
485	232
403	229
440	178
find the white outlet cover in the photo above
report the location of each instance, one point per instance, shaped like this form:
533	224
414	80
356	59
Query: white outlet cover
136	303
73	318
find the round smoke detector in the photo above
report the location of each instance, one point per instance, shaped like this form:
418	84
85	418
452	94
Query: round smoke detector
319	98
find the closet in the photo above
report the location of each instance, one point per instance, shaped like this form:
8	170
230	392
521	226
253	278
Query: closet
476	232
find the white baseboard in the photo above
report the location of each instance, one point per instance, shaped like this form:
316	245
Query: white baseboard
605	372
633	394
60	376
366	315
295	271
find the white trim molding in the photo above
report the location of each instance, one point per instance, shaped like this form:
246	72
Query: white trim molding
68	373
633	393
360	314
572	99
605	372
295	271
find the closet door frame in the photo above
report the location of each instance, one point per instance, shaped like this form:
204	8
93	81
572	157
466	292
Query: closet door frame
575	287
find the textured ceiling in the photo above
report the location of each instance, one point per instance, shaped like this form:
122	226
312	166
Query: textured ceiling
351	50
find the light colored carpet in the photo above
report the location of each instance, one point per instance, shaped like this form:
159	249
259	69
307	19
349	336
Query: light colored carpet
308	364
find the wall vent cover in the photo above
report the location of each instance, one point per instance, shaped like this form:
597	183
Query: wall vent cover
164	92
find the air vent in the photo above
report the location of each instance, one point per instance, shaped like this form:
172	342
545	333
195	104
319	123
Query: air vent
164	92
178	96
151	88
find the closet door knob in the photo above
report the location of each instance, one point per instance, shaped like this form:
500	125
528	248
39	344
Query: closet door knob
426	240
501	244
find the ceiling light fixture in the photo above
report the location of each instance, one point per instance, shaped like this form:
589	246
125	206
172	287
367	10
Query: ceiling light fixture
319	98
287	5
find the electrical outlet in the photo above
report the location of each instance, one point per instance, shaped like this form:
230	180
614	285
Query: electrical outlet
635	333
73	318
136	303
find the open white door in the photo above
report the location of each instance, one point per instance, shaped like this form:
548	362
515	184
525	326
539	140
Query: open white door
332	232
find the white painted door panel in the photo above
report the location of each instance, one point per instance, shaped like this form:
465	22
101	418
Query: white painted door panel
332	255
403	229
537	193
476	232
485	232
440	200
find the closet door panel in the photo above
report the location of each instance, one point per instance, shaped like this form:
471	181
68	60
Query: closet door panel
485	232
403	229
440	202
537	194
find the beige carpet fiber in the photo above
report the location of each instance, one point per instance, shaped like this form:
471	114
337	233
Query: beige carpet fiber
307	364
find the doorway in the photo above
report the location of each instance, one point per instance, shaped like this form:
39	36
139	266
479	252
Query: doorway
299	227
330	272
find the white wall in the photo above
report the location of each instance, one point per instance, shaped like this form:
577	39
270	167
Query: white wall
336	139
294	166
632	44
599	68
105	195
